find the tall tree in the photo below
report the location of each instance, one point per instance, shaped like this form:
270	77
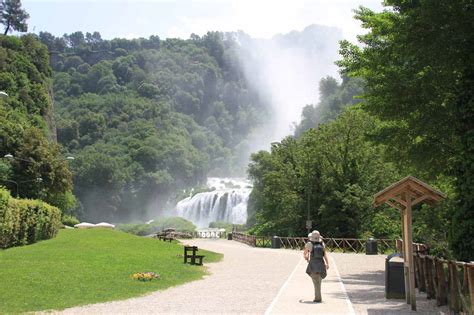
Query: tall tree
329	175
418	65
13	17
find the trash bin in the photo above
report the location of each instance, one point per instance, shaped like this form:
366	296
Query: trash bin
394	278
229	236
276	242
371	247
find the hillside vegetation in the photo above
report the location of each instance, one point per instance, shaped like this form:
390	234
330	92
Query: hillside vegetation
26	127
147	117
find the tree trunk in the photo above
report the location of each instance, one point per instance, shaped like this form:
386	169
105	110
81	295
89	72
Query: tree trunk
7	29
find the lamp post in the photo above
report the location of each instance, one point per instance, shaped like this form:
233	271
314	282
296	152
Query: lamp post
309	223
9	156
16	185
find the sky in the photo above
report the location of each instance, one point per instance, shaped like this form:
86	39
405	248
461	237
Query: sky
181	18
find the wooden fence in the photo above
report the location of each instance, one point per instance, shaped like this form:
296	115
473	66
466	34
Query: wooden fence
252	240
353	245
449	282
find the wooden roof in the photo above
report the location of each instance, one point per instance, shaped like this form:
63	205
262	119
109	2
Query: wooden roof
408	187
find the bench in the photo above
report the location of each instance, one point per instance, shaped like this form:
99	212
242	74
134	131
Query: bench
197	260
190	254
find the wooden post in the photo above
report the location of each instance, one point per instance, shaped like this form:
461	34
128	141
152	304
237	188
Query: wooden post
422	281
411	266
405	254
454	301
398	242
430	290
470	277
441	296
417	270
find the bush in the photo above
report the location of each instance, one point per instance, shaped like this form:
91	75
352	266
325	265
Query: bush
137	229
177	223
25	222
142	229
69	220
221	225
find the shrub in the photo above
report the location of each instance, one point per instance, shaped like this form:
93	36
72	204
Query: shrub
25	222
137	229
221	225
159	224
69	220
177	223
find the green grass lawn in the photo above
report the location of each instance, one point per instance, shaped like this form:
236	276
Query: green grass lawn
88	266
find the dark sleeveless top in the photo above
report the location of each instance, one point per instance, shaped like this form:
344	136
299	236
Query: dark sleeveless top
316	261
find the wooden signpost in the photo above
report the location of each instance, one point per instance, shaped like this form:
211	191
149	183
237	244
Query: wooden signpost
403	195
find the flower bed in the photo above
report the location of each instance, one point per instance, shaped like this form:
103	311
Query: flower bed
145	276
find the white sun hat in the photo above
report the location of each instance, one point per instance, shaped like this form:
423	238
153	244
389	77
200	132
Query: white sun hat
315	236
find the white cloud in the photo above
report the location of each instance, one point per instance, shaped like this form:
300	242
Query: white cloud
265	18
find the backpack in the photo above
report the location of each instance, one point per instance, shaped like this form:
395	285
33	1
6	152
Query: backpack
318	250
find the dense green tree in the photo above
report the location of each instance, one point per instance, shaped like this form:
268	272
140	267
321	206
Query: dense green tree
26	128
12	16
328	175
417	64
75	40
333	98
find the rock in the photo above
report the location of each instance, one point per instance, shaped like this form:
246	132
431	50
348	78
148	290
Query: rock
105	225
84	225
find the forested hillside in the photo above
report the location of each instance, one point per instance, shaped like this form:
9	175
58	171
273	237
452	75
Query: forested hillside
36	167
147	117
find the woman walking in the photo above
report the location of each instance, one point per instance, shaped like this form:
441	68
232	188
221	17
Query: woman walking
318	263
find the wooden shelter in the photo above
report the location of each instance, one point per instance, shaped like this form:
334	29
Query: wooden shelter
403	195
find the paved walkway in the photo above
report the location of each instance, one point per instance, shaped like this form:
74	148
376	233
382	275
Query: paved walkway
268	281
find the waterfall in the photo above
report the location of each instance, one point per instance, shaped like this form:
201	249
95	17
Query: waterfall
226	202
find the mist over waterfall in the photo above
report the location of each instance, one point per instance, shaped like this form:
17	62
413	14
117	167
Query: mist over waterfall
286	70
226	202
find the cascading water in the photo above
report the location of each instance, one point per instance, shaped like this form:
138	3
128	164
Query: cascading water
226	202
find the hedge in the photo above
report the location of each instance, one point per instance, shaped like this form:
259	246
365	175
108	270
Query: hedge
24	222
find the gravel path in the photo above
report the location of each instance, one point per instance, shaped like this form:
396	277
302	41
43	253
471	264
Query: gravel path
246	281
268	281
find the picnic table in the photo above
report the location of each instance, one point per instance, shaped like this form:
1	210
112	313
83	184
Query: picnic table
165	237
